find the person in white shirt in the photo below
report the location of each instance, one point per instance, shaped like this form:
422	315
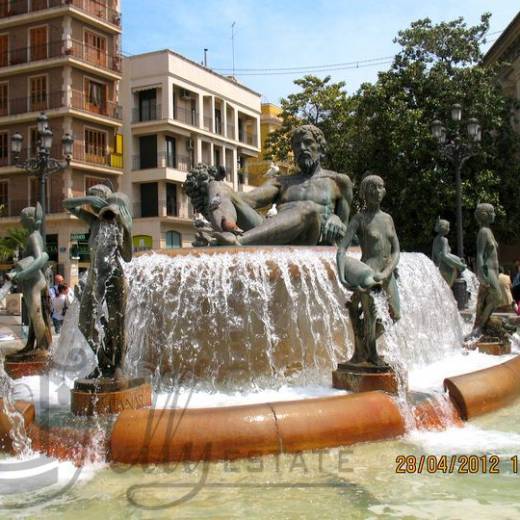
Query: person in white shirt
60	304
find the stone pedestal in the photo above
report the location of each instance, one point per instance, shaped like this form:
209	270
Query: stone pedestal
22	365
365	378
108	396
494	348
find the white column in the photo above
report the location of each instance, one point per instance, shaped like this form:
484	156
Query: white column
236	124
161	193
258	144
224	118
200	110
198	149
234	170
211	154
212	126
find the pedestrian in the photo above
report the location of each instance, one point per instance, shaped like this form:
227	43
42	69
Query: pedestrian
507	303
53	290
60	304
515	288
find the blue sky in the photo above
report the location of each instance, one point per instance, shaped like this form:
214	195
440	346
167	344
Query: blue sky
283	33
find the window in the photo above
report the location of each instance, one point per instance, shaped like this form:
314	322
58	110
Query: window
34	191
171	160
4	99
33	141
149	199
96	48
147	151
171	199
96	97
4	8
38	87
173	239
95	146
38	43
4	50
92	181
4	148
148	105
4	198
36	5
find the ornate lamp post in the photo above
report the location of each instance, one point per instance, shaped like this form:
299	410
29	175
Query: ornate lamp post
457	150
42	165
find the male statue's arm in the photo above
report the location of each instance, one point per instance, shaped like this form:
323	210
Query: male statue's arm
261	196
337	223
73	205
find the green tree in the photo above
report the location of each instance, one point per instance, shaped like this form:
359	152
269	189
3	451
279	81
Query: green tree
438	66
321	103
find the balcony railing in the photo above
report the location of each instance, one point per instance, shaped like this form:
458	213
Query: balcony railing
59	49
94	56
165	208
149	112
164	160
13	208
96	156
188	116
94	8
208	121
35	103
247	138
80	101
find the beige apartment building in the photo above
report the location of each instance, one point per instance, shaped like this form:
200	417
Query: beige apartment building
178	113
61	57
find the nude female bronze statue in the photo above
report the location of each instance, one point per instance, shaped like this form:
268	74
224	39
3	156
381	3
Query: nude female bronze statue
313	206
449	264
380	252
110	222
489	295
29	274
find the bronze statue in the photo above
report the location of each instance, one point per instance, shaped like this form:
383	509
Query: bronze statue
312	207
29	274
110	222
380	253
489	295
449	264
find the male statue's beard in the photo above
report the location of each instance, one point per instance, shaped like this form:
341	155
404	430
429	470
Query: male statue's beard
307	164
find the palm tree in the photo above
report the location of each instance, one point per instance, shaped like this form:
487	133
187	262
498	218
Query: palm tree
12	243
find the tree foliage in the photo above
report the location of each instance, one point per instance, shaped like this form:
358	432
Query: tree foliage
13	242
385	127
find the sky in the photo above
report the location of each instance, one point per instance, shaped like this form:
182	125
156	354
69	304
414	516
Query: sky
277	34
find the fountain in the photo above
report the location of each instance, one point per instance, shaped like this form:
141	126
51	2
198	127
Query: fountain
239	341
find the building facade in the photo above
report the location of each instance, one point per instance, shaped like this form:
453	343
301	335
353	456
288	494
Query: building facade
61	57
178	113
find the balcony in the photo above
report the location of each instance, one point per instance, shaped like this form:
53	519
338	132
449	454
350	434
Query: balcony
97	157
190	117
248	138
80	101
148	112
41	102
94	56
182	163
230	131
208	123
165	208
13	208
92	7
58	49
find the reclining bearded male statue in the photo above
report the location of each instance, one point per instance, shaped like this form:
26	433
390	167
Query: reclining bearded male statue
313	206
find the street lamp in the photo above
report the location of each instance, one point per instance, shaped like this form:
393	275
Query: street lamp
457	150
42	165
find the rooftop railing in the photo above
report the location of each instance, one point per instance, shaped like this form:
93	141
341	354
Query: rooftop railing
93	8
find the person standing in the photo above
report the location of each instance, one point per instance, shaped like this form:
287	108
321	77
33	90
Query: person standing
60	304
507	304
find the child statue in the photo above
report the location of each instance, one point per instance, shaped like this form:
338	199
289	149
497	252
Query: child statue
449	265
29	274
108	216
